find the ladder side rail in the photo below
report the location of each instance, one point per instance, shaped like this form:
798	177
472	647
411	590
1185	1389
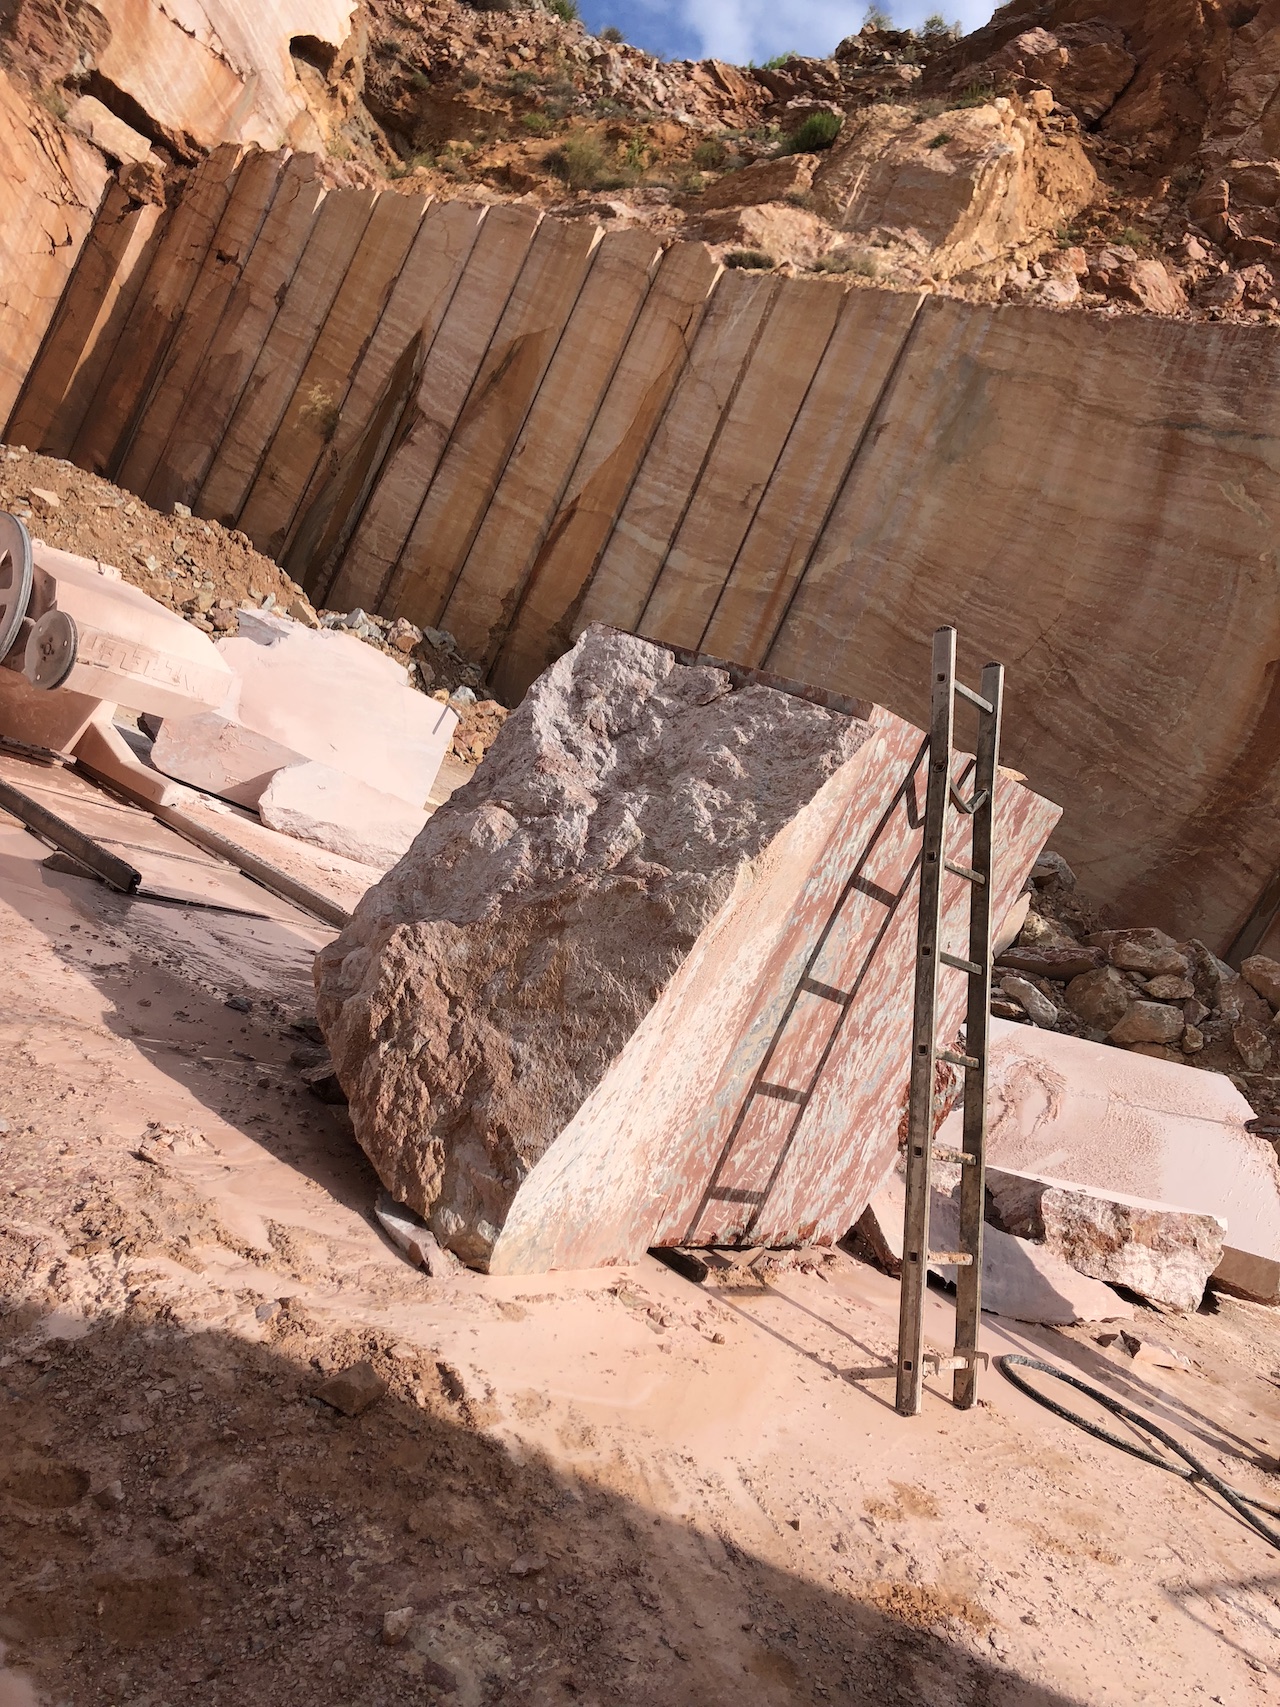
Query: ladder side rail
977	1043
924	1043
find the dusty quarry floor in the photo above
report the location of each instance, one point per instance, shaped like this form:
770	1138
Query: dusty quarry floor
602	1488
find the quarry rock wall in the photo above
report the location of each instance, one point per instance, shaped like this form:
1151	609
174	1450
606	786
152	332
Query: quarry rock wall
511	425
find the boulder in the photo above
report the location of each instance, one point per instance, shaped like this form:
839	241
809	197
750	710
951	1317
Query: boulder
1116	1122
766	181
1263	975
962	188
1148	284
776	229
1020	1278
549	1018
318	804
1050	962
1033	1002
1149	952
1164	1254
1101	998
1149	1022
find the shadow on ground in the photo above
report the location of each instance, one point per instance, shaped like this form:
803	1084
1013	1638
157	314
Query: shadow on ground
256	1539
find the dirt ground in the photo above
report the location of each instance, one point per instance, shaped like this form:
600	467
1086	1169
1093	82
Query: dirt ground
580	1488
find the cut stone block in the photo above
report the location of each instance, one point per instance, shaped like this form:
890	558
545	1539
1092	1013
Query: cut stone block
105	751
318	804
1114	1121
130	650
549	1019
304	693
55	721
220	756
1162	1253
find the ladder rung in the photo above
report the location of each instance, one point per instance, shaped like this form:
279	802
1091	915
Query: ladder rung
965	871
784	1093
974	698
942	1154
957	1259
731	1194
960	1360
969	966
955	1060
968	807
828	992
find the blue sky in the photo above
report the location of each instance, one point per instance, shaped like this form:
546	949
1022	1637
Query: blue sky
743	30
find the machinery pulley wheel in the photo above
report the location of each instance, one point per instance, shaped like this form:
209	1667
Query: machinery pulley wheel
51	650
15	578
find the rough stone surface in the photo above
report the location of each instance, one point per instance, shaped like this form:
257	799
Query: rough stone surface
324	806
1164	1254
1025	1281
53	185
1149	952
352	1390
766	181
1034	1003
504	989
1168	987
963	188
1149	1022
221	70
1101	999
99	125
1263	975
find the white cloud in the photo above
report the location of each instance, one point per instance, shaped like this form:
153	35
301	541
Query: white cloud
743	30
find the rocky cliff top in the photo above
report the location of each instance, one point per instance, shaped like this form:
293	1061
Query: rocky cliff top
1110	155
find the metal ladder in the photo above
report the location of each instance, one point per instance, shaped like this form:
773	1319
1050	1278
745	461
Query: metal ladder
942	793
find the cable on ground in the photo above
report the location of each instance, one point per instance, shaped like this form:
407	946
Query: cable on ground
1192	1471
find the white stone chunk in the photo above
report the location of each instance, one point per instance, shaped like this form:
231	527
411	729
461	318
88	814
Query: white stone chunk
318	804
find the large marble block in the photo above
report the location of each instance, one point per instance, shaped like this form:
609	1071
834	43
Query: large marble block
647	978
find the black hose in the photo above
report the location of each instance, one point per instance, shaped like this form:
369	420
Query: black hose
1197	1472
